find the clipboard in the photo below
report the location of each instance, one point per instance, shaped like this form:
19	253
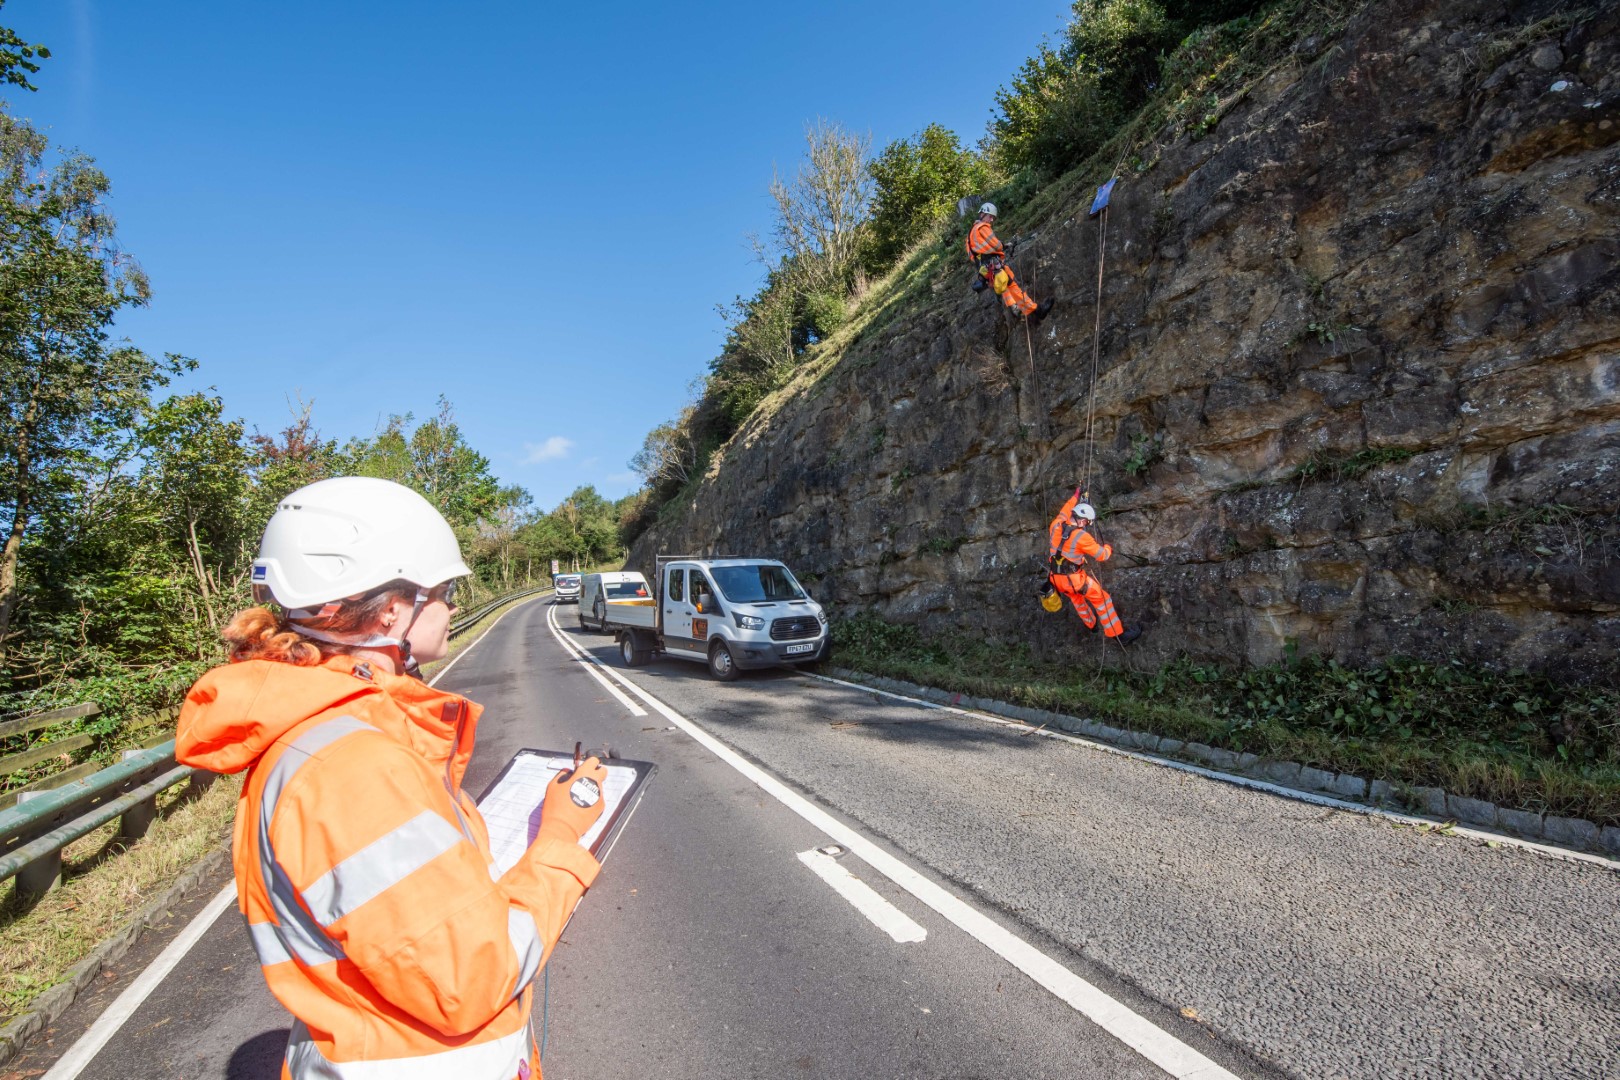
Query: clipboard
511	804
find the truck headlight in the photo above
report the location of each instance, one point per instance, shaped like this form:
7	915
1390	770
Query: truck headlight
747	622
822	615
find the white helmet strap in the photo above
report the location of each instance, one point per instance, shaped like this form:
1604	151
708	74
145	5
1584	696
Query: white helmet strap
360	641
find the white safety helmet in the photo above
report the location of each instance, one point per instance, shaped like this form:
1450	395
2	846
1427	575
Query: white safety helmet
988	208
345	536
1085	510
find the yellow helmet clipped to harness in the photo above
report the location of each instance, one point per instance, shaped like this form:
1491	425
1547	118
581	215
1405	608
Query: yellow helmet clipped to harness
1050	600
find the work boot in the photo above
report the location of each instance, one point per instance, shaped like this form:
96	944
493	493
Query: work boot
1131	634
1041	311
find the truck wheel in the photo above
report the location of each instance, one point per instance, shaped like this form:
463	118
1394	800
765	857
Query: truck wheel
632	652
721	665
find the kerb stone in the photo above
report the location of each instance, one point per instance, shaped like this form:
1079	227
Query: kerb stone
1568	831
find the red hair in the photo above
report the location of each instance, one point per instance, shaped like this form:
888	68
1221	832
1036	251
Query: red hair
257	633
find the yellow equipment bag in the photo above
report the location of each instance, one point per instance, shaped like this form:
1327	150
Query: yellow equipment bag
1051	601
999	282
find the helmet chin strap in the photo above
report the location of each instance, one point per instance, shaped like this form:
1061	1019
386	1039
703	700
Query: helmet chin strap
362	641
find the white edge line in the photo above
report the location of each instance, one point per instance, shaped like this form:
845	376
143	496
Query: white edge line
1314	798
442	672
1140	1034
866	900
107	1025
578	652
84	1051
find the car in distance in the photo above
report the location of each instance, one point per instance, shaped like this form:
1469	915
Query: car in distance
567	586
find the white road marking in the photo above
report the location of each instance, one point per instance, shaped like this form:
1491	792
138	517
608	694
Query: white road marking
1311	797
1140	1034
107	1024
579	653
84	1051
882	914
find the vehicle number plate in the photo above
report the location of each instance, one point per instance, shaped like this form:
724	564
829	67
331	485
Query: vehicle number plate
791	649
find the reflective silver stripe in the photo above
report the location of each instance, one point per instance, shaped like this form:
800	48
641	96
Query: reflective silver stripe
268	944
494	1060
525	938
299	935
384	862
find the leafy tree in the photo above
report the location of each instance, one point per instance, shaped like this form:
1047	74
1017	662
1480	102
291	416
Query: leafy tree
287	461
668	452
17	58
917	184
435	459
822	210
63	386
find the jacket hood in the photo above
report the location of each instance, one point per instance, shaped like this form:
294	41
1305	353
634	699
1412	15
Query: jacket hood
237	711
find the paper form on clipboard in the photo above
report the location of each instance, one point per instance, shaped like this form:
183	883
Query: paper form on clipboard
511	805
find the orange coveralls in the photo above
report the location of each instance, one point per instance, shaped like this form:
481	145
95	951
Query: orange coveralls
365	875
1068	545
988	256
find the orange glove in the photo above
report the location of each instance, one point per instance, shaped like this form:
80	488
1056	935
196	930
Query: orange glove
573	802
1105	553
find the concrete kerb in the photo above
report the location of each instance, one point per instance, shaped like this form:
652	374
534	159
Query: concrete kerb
1287	778
48	1007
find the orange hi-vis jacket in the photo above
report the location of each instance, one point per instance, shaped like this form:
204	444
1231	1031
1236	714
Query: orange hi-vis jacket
365	875
982	241
1068	544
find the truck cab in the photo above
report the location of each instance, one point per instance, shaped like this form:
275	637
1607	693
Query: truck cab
738	614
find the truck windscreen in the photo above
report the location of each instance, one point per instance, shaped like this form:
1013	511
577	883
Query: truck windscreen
753	584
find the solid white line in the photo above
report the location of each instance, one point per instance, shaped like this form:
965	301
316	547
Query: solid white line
580	653
1311	797
882	914
82	1052
442	672
106	1026
1152	1042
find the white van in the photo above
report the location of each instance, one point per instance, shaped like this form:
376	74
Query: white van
733	614
615	589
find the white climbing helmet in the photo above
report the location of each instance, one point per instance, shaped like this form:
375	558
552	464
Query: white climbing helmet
1085	510
988	208
344	536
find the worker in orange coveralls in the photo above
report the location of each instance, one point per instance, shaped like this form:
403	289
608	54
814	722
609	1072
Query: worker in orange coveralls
1070	543
990	260
363	870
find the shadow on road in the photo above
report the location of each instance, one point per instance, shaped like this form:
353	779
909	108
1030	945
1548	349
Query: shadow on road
260	1057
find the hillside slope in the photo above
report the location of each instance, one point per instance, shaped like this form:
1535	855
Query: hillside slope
1359	381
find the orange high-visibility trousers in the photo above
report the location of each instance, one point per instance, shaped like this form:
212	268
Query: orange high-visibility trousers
1091	601
1013	295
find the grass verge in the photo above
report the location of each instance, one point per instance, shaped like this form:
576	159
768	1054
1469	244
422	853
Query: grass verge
105	884
1514	739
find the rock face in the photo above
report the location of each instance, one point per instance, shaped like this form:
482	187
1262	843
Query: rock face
1358	390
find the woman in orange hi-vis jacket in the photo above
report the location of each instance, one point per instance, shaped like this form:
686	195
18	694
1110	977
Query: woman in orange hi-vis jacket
1069	544
990	259
362	868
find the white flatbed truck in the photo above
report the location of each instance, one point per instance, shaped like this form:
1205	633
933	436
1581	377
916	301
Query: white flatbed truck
733	614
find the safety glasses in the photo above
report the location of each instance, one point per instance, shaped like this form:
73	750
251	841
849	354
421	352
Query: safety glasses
445	592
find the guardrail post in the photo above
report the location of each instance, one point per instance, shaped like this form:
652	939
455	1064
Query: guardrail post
42	875
134	822
201	781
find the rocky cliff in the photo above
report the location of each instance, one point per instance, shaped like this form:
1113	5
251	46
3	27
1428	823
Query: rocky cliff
1358	384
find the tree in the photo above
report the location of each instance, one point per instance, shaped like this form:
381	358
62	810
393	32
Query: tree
668	454
821	211
63	387
17	58
434	459
918	182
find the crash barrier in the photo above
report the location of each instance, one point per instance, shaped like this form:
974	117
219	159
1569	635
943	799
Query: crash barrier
469	620
39	819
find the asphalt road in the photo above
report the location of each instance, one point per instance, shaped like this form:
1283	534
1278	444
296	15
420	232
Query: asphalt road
1273	936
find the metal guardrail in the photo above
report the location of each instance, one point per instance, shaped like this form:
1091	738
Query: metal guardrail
34	832
469	620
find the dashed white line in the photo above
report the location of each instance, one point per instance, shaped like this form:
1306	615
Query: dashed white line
882	914
1129	1027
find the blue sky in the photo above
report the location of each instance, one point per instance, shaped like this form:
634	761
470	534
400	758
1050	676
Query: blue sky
530	208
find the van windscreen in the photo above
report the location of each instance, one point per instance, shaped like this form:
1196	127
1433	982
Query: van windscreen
757	583
625	590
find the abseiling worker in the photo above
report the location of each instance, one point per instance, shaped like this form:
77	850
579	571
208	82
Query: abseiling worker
1069	545
989	259
362	868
